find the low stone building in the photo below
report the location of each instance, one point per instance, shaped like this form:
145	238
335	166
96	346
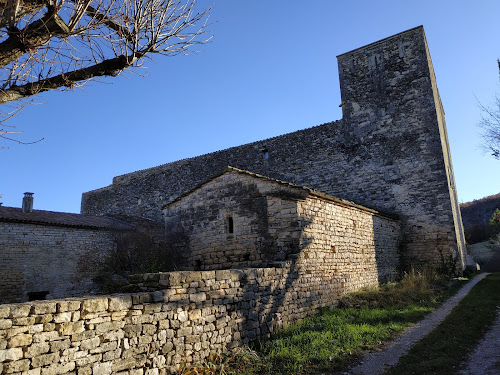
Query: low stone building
240	219
43	253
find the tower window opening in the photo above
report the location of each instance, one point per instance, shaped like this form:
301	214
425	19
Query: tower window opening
265	153
230	224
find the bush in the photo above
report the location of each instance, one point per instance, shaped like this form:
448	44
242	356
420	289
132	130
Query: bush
142	250
494	224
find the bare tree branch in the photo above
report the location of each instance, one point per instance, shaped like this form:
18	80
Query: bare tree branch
58	44
490	124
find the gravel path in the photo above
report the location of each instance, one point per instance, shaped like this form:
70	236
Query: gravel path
486	358
376	363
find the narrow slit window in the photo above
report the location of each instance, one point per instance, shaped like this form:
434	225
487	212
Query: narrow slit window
230	225
265	153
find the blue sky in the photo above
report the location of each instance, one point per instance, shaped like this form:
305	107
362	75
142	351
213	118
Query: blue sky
270	69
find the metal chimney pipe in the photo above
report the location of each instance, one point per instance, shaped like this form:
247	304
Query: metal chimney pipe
28	203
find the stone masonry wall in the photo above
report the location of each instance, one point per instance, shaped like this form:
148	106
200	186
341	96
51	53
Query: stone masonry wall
272	221
390	96
184	317
47	258
389	152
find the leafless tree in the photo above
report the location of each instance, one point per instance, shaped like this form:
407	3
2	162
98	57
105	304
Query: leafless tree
61	44
490	123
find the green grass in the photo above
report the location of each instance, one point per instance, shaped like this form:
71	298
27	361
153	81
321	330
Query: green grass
337	336
443	350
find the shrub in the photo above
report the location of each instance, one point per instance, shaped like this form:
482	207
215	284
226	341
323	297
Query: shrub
494	224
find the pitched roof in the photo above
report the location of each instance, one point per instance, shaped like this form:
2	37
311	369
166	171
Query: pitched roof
308	190
14	214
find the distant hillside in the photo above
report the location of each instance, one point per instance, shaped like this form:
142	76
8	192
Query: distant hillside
475	216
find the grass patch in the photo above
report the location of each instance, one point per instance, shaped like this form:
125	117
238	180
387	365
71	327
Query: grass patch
443	350
365	320
337	336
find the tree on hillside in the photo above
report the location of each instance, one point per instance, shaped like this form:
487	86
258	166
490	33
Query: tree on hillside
494	224
490	123
61	44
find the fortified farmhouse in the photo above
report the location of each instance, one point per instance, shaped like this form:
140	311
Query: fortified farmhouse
268	231
389	152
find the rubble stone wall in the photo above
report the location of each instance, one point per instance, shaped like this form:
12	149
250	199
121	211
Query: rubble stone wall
48	258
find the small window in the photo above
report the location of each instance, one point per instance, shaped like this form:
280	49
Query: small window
265	153
230	225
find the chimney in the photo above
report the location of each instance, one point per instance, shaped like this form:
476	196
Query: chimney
28	203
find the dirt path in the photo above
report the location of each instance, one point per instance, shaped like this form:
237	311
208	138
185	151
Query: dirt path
486	357
376	363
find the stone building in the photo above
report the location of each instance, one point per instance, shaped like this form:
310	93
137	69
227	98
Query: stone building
389	152
43	254
240	219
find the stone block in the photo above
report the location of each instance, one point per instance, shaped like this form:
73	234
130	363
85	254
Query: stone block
198	297
44	359
120	303
132	330
123	364
109	326
19	310
63	317
70	328
37	349
90	343
183	316
56	369
16	366
56	346
12	354
93	305
105	368
68	305
20	340
40	308
5	323
4	311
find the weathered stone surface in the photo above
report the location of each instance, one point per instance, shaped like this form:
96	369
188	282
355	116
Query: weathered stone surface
5	323
44	308
16	366
44	359
19	311
22	265
56	369
102	368
12	354
68	305
70	328
120	303
95	305
36	349
20	340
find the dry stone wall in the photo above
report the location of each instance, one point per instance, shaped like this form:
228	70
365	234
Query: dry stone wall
389	152
48	259
182	318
